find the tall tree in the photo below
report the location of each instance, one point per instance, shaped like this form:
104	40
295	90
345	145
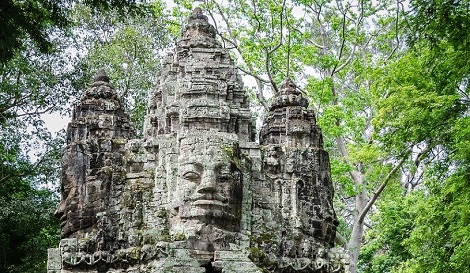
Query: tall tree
391	224
425	104
27	225
32	84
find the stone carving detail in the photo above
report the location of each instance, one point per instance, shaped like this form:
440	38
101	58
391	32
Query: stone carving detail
197	193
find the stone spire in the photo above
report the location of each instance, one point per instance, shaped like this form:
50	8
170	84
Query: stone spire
299	171
198	25
101	76
198	87
100	88
288	96
289	121
99	114
92	159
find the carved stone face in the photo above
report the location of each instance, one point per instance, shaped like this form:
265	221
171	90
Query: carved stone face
209	185
76	210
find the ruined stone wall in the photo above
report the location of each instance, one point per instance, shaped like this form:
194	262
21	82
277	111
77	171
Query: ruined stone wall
197	193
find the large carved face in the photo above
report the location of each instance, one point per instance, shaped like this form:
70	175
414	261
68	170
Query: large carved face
209	185
77	208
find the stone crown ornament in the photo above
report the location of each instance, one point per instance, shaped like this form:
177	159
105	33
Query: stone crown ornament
197	193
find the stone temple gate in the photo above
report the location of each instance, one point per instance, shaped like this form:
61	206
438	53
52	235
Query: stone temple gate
197	193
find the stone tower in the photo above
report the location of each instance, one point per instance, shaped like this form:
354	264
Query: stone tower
197	193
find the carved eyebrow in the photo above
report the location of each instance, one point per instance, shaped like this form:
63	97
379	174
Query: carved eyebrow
192	166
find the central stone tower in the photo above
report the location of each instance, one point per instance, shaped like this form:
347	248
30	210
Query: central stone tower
198	193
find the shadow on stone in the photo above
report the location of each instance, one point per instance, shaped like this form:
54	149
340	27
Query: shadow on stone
210	269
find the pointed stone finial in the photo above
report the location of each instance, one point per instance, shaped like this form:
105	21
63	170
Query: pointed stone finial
289	95
289	87
100	88
198	25
197	15
101	76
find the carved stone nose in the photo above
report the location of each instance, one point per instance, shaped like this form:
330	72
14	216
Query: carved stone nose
60	210
208	183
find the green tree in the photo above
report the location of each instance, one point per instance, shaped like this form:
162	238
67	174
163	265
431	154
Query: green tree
439	241
27	225
33	20
424	103
23	20
391	224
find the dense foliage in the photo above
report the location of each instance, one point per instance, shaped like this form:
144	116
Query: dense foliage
426	227
27	224
34	19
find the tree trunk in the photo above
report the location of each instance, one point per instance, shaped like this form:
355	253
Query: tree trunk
355	242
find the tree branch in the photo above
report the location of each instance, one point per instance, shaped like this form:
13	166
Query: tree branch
36	112
351	54
397	39
253	75
259	83
269	52
377	193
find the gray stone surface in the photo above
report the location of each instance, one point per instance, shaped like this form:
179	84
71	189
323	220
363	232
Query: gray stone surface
197	193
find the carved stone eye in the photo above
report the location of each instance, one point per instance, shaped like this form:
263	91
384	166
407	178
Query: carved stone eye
225	176
225	173
191	175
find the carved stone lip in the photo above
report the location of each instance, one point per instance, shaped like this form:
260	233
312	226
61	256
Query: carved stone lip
202	202
209	197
